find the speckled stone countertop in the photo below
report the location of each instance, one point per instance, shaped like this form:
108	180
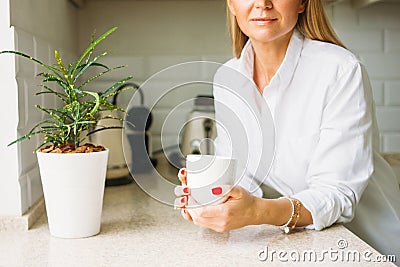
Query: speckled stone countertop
139	231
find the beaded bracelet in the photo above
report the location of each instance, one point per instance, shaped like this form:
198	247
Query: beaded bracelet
296	205
297	214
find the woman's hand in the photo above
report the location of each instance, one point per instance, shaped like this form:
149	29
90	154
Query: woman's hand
239	210
184	193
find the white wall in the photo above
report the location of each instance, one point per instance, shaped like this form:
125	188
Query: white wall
158	34
52	20
373	33
9	187
158	27
153	35
39	27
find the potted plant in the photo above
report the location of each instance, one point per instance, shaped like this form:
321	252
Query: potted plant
73	174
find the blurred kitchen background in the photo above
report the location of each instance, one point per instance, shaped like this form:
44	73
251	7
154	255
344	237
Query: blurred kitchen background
153	35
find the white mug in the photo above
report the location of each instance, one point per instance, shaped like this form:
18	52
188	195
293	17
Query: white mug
205	172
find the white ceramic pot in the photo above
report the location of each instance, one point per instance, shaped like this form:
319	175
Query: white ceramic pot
73	187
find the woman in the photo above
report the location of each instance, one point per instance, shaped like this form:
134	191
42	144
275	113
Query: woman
326	162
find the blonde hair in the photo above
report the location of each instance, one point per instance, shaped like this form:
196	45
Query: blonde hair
313	23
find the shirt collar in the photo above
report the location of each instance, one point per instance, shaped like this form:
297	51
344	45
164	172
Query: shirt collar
286	69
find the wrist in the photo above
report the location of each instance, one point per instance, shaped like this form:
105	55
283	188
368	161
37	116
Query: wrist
294	217
263	211
272	211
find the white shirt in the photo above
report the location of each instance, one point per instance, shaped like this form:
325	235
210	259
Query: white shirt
325	135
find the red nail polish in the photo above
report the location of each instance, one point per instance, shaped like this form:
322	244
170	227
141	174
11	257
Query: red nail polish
183	200
183	171
186	190
217	190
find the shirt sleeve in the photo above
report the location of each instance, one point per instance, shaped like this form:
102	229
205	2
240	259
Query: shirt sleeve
343	160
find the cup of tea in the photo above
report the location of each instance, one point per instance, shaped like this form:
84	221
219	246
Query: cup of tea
205	172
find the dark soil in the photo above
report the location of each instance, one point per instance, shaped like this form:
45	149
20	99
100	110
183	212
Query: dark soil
70	148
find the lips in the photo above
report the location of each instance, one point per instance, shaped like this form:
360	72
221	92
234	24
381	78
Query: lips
263	20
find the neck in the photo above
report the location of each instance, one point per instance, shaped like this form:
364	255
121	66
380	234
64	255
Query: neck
268	56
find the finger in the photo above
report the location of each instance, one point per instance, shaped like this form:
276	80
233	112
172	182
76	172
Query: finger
199	219
235	192
209	212
186	215
192	203
180	202
181	191
182	175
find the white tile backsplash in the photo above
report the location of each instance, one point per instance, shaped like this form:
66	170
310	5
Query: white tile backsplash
211	64
382	65
25	29
374	38
24	44
134	66
34	180
170	95
373	33
155	91
169	121
33	114
378	92
391	142
380	16
388	118
41	52
343	16
27	159
392	93
24	191
22	103
217	58
49	101
362	40
28	85
392	40
169	67
165	142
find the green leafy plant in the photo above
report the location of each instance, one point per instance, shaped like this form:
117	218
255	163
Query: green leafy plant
81	109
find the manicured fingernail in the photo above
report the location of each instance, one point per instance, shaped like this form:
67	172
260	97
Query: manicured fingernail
182	171
180	190
217	190
180	202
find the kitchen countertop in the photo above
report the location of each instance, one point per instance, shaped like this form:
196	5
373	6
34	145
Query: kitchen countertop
138	230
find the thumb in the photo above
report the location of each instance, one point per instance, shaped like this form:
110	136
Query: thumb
221	190
228	190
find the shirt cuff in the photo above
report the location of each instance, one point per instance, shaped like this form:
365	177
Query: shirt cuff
322	208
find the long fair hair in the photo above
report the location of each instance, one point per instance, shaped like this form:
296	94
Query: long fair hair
312	23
